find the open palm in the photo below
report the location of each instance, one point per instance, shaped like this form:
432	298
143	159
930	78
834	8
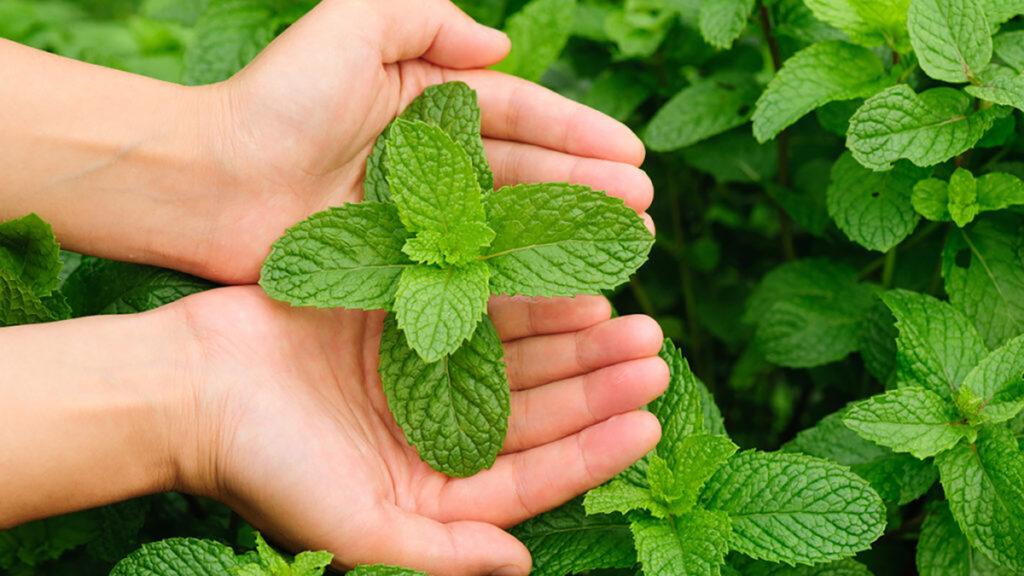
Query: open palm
304	447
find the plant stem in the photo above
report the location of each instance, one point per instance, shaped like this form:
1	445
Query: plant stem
887	268
685	275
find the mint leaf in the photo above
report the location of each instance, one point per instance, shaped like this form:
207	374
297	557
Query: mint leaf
453	108
943	550
34	543
697	112
925	128
819	74
227	35
116	531
561	240
933	198
951	38
722	21
808	313
963	197
984	483
434	186
838	568
617	93
272	563
692	544
981	266
1006	89
1009	47
795	509
382	570
567	541
539	32
622	496
679	409
637	28
349	256
454	411
696	459
19	305
998	382
911	419
898	478
999	11
179	557
937	346
873	209
734	157
439	308
29	250
867	22
99	286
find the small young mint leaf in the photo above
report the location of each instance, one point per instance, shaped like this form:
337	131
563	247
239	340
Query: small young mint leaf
934	199
867	22
623	496
794	508
722	21
931	199
435	189
538	32
951	38
29	251
699	111
943	550
273	563
694	544
382	570
680	408
911	419
697	458
227	35
819	74
343	257
962	193
562	240
454	411
439	308
997	383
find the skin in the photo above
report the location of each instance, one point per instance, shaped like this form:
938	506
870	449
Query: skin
278	411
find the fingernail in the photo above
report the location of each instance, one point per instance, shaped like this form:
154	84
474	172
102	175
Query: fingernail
508	571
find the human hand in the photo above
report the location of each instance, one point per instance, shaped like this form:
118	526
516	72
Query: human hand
293	129
291	428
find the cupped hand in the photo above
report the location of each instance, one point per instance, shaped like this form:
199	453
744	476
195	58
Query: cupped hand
293	129
293	431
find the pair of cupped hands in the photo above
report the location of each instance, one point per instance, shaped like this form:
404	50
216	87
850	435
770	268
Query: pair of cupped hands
290	426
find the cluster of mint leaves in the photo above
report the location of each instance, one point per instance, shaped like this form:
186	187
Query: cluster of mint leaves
431	244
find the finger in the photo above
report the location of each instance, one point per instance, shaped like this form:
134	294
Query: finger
516	110
525	484
520	316
543	359
547	413
515	163
401	538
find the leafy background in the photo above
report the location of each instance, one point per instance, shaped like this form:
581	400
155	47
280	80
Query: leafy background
765	122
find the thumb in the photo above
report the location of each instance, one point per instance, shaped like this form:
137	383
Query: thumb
435	30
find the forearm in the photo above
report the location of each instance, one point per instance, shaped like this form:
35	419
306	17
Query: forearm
112	160
92	411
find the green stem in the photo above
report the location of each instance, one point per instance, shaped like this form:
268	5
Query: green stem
888	267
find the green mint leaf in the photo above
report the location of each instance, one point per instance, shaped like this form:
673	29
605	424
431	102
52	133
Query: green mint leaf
984	483
962	194
273	563
873	209
454	411
99	286
539	32
434	186
999	11
349	257
562	240
937	346
680	409
35	543
117	527
694	544
867	22
819	74
806	199
19	305
734	157
453	108
382	570
911	419
943	550
29	250
981	266
951	38
179	557
932	197
998	382
838	568
620	495
439	308
925	128
1006	89
617	92
698	112
637	28
794	508
808	313
568	541
228	34
722	21
1009	47
697	458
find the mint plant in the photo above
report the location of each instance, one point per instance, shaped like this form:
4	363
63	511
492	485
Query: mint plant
432	247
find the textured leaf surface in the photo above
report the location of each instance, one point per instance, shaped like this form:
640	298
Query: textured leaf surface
179	557
898	478
794	508
698	112
228	34
680	408
951	38
454	411
695	546
998	381
566	541
349	256
910	419
838	568
382	570
101	286
34	543
539	32
19	305
925	128
439	308
937	346
696	459
722	21
621	496
1009	47
562	240
866	22
1007	90
29	251
933	198
983	267
814	76
943	550
270	562
873	209
999	11
984	483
